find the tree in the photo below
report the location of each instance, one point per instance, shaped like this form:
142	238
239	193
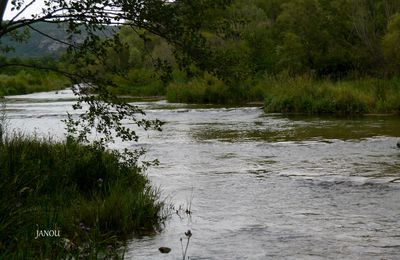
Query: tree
370	20
178	22
390	43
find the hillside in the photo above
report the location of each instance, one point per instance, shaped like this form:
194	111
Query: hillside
38	45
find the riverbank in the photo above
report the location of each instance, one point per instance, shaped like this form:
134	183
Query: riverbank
63	200
279	94
301	94
309	96
25	82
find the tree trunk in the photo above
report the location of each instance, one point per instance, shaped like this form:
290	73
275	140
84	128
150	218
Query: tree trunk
3	6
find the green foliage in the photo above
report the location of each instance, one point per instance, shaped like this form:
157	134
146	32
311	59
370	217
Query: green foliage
24	82
237	44
96	62
391	43
93	198
337	40
138	82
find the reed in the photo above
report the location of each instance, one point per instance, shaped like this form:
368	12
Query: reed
304	94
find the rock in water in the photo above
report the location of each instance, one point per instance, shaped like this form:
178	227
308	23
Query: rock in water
398	144
164	250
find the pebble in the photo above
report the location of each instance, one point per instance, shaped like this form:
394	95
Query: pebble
164	250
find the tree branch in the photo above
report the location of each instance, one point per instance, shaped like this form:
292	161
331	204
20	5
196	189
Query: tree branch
3	6
51	37
23	10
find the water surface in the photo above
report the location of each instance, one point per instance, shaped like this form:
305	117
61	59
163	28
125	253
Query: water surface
260	186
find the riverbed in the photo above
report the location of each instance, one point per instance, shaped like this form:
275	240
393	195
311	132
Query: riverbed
252	185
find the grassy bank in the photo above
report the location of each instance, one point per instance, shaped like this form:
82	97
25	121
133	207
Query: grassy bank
24	82
301	94
208	89
93	199
306	95
283	93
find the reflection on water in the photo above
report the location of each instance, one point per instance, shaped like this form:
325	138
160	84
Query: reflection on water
262	186
272	128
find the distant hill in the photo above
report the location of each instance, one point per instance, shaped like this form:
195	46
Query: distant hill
39	45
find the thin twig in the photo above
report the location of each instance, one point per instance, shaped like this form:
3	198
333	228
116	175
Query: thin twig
51	37
23	10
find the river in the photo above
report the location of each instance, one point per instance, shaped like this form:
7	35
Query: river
259	186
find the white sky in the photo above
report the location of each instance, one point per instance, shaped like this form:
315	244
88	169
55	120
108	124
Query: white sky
33	9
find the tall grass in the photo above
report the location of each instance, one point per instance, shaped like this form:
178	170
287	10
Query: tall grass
304	94
94	199
294	94
206	89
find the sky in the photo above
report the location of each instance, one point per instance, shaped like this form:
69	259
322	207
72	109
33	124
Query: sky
33	9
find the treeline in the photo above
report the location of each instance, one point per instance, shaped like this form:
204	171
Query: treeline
251	45
335	39
326	38
250	50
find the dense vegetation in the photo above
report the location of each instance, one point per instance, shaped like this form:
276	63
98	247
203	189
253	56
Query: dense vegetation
303	94
92	198
257	50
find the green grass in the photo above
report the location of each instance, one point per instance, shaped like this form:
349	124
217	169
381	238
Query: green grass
206	89
29	82
298	94
282	93
306	95
94	199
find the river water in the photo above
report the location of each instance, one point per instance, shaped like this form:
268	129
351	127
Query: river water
259	186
